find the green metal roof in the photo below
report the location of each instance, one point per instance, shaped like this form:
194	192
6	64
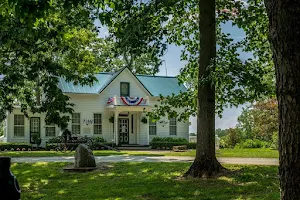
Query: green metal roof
69	87
163	85
155	85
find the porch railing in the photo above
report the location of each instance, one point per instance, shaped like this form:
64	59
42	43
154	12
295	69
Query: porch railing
128	101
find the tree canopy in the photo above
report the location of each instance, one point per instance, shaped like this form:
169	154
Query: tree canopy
34	56
44	41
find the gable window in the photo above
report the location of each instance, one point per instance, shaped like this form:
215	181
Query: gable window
50	130
97	123
152	128
124	89
19	126
173	126
76	123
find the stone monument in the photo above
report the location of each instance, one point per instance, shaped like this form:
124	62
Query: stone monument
84	157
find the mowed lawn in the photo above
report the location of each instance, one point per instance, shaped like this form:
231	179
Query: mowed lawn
242	153
153	181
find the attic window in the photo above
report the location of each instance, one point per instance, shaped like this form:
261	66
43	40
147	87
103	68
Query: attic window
124	89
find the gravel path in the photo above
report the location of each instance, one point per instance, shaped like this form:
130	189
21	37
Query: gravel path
121	158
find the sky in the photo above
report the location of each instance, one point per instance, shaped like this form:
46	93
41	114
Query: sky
172	65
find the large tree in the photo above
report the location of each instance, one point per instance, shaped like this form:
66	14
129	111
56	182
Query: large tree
206	163
284	35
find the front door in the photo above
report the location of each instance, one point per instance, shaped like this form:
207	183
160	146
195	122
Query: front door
34	128
123	131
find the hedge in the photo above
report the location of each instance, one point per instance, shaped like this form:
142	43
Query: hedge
53	146
169	145
14	145
169	139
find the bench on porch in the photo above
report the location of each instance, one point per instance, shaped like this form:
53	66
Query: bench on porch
179	148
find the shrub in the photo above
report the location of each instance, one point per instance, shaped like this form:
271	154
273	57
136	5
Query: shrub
169	139
191	145
99	139
14	145
169	145
50	146
231	139
95	143
253	144
223	143
57	139
98	146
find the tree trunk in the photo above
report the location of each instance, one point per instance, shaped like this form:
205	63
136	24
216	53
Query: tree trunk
206	164
284	27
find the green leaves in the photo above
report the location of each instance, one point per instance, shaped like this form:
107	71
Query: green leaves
33	57
237	81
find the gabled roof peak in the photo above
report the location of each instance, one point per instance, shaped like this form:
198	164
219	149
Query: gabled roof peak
155	85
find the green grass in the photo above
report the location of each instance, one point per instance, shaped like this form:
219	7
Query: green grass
235	153
248	153
243	153
153	181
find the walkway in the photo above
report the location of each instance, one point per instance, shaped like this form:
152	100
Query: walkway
121	158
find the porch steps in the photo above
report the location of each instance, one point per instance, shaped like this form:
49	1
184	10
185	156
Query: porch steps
134	147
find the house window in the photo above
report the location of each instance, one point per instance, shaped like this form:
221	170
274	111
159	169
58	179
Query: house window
76	123
173	126
124	89
19	128
97	123
152	128
50	130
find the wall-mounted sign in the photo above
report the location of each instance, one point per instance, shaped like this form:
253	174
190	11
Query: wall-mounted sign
88	121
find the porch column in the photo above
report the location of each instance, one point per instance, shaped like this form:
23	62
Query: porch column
148	131
116	127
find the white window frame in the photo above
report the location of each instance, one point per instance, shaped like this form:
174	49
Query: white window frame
76	123
50	126
97	124
152	125
128	85
172	125
19	125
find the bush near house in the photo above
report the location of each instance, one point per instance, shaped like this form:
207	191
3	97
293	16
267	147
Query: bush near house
14	145
95	143
168	139
168	143
53	146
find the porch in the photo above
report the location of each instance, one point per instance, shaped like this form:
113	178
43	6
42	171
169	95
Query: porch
129	121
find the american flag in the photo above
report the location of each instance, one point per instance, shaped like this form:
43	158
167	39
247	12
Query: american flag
110	99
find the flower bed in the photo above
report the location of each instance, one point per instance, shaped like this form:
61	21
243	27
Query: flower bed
15	146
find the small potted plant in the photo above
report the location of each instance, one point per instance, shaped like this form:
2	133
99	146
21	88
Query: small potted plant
144	120
111	119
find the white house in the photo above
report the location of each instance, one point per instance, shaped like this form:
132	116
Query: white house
121	97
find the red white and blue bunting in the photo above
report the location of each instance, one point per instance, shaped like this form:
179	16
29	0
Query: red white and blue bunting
132	101
111	99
